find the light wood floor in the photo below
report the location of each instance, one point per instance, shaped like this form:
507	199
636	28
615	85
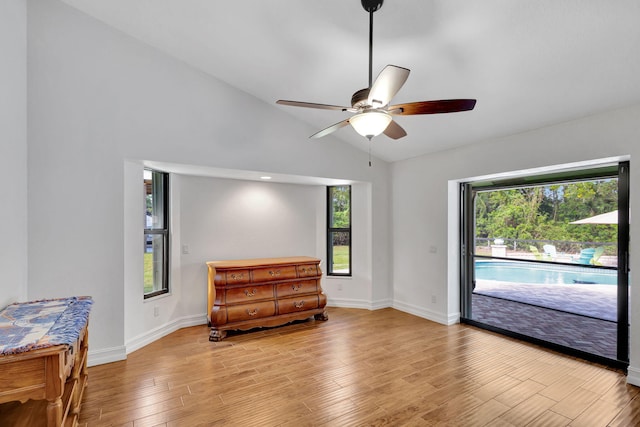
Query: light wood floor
359	368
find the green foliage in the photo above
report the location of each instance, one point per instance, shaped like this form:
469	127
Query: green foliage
340	258
340	206
148	272
545	212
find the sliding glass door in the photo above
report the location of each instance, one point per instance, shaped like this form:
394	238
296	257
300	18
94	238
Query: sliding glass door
544	258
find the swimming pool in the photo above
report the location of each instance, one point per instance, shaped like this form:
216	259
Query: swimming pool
521	272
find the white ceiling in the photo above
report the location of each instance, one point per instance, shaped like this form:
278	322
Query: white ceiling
528	63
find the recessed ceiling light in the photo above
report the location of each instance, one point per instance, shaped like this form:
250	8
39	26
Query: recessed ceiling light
265	177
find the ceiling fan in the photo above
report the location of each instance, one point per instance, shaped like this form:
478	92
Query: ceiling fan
371	105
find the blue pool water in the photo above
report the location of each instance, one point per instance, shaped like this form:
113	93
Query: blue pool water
510	271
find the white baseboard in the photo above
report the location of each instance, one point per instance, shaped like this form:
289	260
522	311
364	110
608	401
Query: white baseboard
407	308
427	314
106	355
155	334
354	303
633	376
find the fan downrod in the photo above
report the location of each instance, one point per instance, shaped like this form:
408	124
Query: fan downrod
371	5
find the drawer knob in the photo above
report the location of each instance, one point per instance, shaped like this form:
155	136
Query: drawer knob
251	292
237	276
296	286
252	312
274	273
297	304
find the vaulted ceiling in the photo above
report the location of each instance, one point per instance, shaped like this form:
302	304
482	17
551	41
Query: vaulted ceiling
529	64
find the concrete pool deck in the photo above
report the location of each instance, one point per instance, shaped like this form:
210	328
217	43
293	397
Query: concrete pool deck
597	301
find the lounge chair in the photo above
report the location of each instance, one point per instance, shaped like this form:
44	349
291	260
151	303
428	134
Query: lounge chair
537	255
596	256
585	256
550	252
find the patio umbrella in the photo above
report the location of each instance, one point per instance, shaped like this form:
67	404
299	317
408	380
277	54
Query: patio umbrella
605	218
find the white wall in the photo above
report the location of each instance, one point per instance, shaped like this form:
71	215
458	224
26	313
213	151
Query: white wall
231	219
220	219
13	152
355	291
422	205
100	103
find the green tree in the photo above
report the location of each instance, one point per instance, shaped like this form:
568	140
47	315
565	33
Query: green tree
545	212
341	206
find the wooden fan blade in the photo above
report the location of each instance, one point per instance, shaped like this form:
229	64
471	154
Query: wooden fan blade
432	107
313	105
330	129
394	130
386	85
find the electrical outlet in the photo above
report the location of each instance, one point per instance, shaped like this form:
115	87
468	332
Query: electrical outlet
433	299
339	286
156	311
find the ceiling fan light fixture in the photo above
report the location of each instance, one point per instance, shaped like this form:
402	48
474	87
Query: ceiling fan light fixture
370	123
372	104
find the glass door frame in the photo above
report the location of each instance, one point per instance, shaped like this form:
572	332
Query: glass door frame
468	191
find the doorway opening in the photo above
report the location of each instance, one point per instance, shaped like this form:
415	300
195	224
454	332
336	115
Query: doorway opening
545	259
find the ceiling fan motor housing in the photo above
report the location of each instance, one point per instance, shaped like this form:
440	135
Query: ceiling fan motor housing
360	99
371	5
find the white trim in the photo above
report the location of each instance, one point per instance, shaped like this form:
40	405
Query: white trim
155	334
427	314
106	355
355	303
633	376
378	305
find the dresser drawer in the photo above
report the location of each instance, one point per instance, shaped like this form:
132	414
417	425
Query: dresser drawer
236	313
249	293
233	277
308	270
274	273
292	305
296	288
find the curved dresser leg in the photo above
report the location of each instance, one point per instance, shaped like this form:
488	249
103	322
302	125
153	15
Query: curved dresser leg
54	412
322	316
216	335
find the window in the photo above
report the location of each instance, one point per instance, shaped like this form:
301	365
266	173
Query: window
156	233
339	230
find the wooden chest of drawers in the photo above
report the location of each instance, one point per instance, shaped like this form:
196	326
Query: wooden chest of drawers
263	292
44	386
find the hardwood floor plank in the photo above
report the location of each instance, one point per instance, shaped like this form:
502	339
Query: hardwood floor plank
599	413
528	410
519	393
496	387
482	415
561	388
551	419
451	409
343	372
629	415
574	404
620	393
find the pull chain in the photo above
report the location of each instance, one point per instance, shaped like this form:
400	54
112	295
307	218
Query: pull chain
369	153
